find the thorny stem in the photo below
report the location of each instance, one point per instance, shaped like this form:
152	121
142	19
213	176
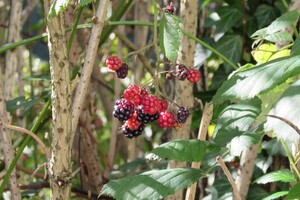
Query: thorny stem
23	130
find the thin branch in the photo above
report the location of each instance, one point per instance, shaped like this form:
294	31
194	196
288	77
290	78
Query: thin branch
229	177
23	130
287	122
88	64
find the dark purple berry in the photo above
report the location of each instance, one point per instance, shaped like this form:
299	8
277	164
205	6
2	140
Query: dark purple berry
170	8
182	72
122	71
182	114
145	117
132	133
123	109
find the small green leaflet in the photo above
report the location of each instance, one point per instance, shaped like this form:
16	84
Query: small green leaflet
170	35
154	184
294	193
287	107
276	195
259	79
283	175
57	7
82	3
229	17
182	150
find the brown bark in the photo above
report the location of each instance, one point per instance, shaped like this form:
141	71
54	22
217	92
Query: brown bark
59	166
184	89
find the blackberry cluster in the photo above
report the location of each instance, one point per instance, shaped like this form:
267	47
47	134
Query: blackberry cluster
114	63
182	73
182	114
138	108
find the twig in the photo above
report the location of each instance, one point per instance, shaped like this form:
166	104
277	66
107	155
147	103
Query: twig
287	122
38	168
229	177
23	130
88	64
129	44
205	121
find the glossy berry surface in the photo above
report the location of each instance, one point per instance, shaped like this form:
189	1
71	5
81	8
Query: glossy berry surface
166	119
193	75
145	118
133	123
182	114
132	94
132	133
181	72
150	104
113	63
122	71
123	109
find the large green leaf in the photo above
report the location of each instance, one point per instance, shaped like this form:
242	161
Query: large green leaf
286	20
58	6
288	109
182	150
20	103
230	46
236	120
294	193
279	36
170	35
265	14
276	195
295	48
260	79
242	142
155	184
229	17
283	175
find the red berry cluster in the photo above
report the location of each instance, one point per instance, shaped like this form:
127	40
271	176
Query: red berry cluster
114	63
182	73
170	8
138	107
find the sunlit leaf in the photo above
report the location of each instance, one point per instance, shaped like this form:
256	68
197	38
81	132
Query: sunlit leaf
242	142
236	120
283	175
182	150
170	35
276	195
287	108
155	184
257	80
286	20
294	193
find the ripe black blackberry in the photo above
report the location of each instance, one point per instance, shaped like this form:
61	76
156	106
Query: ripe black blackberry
145	117
132	133
122	71
182	72
182	114
123	109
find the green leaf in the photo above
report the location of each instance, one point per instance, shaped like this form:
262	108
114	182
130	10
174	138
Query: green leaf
235	120
170	35
82	3
287	108
229	17
155	184
240	143
295	48
265	14
20	102
230	46
279	36
276	195
286	20
182	150
294	193
283	175
260	79
57	7
256	193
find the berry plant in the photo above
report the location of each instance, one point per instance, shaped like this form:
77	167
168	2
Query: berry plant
182	99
